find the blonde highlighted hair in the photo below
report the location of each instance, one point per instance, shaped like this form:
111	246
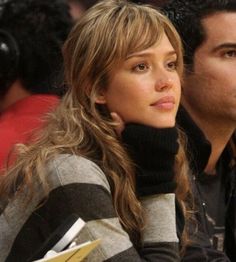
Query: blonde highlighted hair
107	33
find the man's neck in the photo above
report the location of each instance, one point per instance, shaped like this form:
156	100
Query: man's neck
218	146
15	93
217	132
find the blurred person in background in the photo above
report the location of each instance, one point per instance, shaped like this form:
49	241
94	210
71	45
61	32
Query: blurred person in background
31	36
77	7
157	3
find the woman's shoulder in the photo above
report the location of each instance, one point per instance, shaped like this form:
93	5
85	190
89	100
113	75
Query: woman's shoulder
66	169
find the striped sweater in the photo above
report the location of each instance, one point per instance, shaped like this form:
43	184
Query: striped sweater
79	186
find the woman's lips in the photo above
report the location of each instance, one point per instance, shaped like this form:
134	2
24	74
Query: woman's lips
165	103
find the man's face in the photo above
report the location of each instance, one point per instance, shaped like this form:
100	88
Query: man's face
209	93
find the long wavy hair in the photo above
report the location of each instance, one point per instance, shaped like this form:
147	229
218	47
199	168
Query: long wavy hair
107	33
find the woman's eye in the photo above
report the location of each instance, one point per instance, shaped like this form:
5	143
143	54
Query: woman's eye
141	67
172	65
230	53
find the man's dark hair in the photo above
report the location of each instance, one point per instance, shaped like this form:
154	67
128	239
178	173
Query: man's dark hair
39	28
186	15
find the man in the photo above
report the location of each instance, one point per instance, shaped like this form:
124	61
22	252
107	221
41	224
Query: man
208	116
31	36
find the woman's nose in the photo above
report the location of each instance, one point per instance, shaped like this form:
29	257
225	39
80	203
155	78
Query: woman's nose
164	82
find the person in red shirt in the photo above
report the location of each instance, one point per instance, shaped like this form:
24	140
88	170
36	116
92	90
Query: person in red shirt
31	37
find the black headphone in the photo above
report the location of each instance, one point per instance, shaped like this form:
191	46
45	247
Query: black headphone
9	57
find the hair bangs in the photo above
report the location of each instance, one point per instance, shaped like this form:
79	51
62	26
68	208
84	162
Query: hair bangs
136	29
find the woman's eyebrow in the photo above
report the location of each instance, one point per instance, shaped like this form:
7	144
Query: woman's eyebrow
149	53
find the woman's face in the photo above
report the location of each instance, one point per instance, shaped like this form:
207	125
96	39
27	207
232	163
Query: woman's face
145	88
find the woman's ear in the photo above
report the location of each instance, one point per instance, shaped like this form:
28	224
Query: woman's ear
100	99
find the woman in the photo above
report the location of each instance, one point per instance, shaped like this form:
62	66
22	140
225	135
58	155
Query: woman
122	61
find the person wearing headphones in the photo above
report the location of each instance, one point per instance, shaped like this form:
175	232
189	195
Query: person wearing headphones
31	35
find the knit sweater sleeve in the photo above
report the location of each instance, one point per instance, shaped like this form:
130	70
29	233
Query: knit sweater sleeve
79	186
161	228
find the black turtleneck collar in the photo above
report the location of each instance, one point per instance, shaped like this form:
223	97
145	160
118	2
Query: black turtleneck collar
198	147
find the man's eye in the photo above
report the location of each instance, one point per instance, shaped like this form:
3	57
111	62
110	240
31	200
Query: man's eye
140	67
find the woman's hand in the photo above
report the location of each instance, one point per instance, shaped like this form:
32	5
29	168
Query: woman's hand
153	150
